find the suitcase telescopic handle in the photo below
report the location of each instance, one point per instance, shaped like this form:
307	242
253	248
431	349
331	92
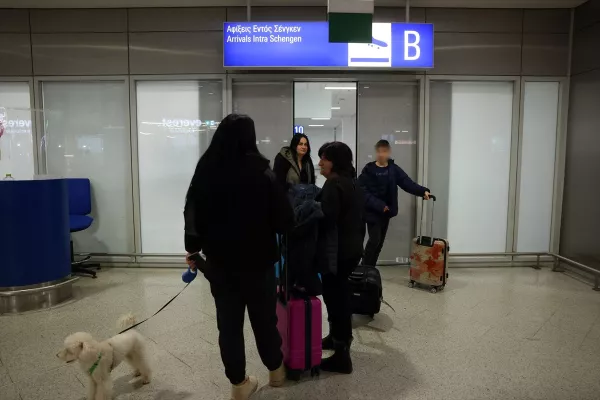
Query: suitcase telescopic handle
282	281
420	235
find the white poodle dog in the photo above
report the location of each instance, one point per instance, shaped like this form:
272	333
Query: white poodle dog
98	359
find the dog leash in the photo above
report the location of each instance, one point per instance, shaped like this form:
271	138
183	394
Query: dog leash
159	310
388	304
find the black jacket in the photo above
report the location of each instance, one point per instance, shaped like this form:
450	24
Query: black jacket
302	240
233	214
287	171
342	231
397	178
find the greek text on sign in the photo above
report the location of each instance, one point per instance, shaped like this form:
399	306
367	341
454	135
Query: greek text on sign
306	45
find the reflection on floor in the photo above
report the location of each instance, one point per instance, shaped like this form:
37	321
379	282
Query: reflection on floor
493	334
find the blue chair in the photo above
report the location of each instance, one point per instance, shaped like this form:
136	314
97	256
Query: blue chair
80	206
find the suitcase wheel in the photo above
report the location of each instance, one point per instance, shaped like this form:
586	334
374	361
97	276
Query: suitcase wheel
316	371
293	375
433	290
411	284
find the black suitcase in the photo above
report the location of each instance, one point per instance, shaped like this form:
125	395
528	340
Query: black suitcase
366	291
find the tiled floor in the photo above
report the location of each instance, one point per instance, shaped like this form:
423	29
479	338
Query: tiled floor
493	334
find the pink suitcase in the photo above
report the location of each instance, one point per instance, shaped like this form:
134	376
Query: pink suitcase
300	327
300	324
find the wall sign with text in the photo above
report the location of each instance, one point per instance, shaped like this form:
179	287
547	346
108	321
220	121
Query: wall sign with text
306	45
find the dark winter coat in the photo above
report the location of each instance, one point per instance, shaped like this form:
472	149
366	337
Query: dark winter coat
342	231
233	214
396	178
287	171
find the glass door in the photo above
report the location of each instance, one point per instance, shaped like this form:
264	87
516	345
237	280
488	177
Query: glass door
325	112
390	111
470	139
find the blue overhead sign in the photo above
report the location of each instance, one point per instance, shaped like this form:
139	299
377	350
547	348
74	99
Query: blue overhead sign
306	45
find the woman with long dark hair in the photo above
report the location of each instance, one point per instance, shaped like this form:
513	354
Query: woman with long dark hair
234	209
293	165
342	202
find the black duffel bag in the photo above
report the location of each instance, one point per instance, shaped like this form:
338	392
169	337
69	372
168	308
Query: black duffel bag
366	291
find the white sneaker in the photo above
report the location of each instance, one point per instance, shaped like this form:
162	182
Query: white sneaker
244	390
277	377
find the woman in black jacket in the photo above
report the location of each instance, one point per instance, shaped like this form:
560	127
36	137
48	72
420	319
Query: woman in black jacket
342	202
234	209
293	165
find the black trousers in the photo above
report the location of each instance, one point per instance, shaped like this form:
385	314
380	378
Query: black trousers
377	231
336	294
233	294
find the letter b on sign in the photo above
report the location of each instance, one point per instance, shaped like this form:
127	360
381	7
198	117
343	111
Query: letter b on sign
411	41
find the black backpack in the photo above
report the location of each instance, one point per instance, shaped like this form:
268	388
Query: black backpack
366	291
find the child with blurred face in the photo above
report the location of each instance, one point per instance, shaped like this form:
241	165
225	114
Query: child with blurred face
379	180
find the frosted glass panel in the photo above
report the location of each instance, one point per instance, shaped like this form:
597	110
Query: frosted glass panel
391	111
480	142
540	114
87	136
270	106
176	121
16	140
332	117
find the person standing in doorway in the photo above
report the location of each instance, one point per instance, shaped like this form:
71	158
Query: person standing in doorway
379	180
293	165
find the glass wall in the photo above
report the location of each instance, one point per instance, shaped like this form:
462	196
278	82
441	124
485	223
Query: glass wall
175	122
538	149
16	140
390	111
325	112
86	135
270	106
469	162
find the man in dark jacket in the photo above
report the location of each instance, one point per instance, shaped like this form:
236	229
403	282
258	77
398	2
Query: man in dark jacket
379	181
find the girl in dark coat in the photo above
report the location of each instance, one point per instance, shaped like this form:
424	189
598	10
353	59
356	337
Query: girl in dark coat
342	202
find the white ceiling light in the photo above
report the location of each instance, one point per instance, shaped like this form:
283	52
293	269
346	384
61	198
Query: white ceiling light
340	87
320	119
336	108
316	126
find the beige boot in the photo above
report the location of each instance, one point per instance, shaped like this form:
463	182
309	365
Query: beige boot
244	390
277	377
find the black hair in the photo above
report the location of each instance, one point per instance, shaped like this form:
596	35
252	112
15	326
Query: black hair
382	143
234	139
295	142
340	156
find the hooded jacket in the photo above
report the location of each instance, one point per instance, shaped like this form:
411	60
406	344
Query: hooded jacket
233	214
396	178
287	171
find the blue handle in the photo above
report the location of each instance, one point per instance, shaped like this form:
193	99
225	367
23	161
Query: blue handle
189	275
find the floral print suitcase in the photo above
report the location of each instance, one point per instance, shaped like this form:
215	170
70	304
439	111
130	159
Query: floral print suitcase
429	259
429	263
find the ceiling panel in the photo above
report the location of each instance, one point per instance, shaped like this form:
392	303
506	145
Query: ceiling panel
228	3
